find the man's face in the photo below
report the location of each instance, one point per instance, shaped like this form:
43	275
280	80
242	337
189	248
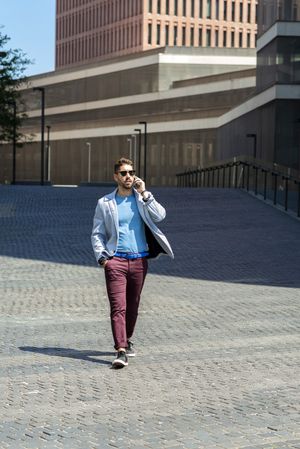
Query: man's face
125	177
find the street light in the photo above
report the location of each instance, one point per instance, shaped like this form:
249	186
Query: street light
42	90
89	145
253	136
145	148
130	147
140	144
48	160
133	136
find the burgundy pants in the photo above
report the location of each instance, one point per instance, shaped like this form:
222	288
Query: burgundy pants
124	282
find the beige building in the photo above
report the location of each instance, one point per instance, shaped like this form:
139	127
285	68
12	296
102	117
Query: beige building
88	31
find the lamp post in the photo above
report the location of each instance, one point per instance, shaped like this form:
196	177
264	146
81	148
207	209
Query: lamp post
89	145
130	147
253	136
48	160
42	90
133	136
145	148
139	151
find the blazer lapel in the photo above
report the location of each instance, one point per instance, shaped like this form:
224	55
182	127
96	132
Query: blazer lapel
113	209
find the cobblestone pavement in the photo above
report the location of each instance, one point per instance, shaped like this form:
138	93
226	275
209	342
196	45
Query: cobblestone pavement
217	338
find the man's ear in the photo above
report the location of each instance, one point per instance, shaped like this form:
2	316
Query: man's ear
115	177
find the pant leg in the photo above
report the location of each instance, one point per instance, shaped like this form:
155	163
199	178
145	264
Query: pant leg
116	284
135	281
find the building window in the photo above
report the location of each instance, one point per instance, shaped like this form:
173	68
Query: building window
248	39
200	37
200	9
167	34
216	38
217	10
192	8
167	6
184	7
149	33
232	11
208	9
158	7
176	7
225	10
192	37
232	38
183	36
241	39
224	38
208	38
241	12
249	12
149	5
158	34
175	35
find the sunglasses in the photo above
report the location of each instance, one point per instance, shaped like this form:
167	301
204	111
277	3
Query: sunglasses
124	172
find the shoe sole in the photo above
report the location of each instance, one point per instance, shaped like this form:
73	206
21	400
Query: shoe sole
119	364
130	355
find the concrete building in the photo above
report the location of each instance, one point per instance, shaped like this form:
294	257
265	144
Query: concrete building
94	111
95	30
199	105
273	112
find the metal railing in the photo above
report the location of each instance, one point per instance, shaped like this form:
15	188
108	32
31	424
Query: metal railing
272	183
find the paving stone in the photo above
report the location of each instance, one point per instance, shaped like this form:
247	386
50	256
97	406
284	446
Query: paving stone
217	339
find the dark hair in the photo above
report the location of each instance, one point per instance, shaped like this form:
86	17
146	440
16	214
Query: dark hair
122	161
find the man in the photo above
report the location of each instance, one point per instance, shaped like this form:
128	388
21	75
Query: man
124	236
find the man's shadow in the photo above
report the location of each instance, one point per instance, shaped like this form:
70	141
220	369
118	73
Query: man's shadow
88	356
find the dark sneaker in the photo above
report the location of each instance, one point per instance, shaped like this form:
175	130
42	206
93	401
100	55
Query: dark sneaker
130	349
121	360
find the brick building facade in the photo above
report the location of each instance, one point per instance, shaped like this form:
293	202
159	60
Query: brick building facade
88	31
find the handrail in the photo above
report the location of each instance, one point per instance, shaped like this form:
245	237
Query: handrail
269	183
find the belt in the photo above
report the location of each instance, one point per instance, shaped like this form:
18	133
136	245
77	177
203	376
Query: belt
132	255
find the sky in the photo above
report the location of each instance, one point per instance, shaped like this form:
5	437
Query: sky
31	26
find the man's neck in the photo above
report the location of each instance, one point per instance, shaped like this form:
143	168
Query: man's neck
124	192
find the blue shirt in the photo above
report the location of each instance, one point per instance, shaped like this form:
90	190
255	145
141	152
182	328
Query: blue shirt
132	237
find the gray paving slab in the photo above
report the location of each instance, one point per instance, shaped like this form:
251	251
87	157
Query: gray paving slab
217	338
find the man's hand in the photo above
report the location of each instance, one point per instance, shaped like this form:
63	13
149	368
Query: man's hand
139	185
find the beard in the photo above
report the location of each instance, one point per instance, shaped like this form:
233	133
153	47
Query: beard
127	184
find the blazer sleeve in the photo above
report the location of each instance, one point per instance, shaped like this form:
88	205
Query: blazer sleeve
98	237
155	210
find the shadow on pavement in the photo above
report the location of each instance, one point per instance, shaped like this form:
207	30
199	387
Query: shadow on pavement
70	353
216	234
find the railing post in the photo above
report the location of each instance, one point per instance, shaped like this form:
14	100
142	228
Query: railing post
248	176
275	188
256	178
236	174
213	177
218	176
298	209
224	169
265	183
286	179
229	176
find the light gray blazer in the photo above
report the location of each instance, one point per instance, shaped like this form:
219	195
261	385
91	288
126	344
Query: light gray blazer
105	231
